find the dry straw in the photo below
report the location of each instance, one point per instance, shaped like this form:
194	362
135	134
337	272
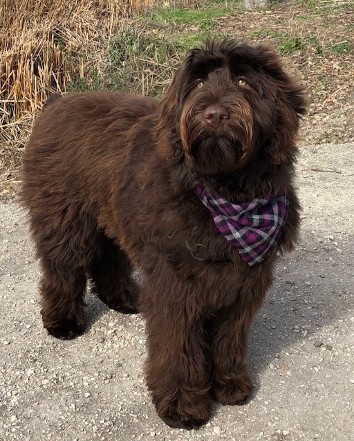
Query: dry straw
44	45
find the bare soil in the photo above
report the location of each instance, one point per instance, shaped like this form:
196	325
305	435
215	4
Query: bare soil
301	349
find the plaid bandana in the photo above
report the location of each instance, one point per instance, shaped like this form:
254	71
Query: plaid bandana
253	228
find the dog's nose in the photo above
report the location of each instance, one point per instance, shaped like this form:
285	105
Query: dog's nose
216	114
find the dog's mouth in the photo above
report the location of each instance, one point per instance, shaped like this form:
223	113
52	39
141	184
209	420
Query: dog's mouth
218	149
217	144
216	154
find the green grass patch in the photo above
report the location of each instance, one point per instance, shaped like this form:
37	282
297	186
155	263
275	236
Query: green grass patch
188	17
344	47
144	62
143	58
291	45
262	33
93	82
204	18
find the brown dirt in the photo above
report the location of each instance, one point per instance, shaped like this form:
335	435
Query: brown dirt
321	32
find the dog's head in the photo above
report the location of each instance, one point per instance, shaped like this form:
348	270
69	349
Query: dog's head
228	101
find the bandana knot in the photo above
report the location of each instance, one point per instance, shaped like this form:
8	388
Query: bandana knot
253	228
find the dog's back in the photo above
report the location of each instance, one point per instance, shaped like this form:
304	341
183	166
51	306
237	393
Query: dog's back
79	135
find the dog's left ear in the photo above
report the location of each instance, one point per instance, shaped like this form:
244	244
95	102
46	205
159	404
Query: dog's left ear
290	104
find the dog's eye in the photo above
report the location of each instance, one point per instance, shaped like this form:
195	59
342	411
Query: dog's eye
200	84
242	82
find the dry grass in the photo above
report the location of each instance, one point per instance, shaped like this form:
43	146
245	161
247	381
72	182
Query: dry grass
43	47
92	43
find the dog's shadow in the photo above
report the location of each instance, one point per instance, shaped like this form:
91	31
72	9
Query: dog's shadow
94	310
311	290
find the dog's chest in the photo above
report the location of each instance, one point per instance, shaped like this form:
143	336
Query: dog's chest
189	236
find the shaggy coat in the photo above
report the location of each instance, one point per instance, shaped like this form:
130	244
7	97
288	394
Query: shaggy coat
109	182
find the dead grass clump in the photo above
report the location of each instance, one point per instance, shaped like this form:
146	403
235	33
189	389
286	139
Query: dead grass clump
44	46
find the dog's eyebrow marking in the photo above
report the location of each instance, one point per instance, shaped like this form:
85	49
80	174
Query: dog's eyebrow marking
203	68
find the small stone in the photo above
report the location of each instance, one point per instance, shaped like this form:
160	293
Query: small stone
87	394
329	347
318	343
217	430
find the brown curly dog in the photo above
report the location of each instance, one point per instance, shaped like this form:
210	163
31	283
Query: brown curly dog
196	190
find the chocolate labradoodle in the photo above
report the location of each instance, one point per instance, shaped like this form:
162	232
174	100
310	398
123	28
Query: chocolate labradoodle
196	190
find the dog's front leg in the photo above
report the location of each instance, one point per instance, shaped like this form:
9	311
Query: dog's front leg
228	332
178	376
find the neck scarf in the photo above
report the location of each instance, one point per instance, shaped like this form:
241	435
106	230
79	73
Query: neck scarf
253	228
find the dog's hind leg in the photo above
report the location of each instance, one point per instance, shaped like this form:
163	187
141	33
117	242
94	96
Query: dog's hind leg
62	290
112	281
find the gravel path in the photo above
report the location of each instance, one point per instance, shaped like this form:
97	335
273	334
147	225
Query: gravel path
301	354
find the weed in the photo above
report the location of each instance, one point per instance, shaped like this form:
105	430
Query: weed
343	47
292	45
94	81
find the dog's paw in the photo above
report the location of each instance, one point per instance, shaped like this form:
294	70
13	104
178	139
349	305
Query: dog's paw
185	415
125	300
66	329
233	391
130	307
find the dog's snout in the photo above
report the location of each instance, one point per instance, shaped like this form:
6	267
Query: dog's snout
216	114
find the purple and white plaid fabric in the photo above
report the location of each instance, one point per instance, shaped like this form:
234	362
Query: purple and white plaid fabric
253	228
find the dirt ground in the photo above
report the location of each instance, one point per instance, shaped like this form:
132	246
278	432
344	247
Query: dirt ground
301	349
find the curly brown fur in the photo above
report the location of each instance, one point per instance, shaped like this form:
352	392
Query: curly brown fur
108	180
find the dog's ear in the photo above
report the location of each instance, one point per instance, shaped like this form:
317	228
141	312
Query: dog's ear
172	103
183	81
168	124
290	105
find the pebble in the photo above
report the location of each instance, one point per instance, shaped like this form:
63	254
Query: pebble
217	430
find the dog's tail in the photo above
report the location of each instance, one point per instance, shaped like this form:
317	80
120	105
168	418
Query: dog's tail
51	99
